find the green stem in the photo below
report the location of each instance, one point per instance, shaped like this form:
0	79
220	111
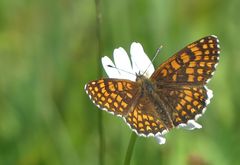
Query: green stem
130	148
100	51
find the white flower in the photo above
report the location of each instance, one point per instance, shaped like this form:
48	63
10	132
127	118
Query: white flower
139	63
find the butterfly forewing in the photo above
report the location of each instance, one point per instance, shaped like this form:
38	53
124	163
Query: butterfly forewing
113	95
194	64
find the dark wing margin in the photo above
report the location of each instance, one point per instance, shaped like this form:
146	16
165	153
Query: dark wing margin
115	96
194	64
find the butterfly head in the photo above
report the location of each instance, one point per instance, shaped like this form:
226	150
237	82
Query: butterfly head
140	77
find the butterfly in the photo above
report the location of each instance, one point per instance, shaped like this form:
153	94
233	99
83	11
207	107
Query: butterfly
173	95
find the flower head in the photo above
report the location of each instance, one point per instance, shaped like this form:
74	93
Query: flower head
139	63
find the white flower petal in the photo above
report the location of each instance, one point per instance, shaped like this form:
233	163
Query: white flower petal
123	63
160	139
191	124
209	94
111	72
140	60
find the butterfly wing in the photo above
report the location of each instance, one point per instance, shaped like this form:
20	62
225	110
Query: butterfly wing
181	79
194	64
145	119
116	96
186	102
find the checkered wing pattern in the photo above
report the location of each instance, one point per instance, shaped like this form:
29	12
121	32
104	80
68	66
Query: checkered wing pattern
186	102
145	119
116	96
194	64
174	94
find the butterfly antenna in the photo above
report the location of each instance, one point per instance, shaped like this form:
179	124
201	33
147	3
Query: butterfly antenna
157	52
110	66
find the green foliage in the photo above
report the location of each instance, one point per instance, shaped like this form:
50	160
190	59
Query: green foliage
48	51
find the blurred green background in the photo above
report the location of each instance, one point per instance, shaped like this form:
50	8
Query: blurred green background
48	51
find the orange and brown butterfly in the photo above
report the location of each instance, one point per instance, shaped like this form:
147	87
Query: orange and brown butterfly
174	95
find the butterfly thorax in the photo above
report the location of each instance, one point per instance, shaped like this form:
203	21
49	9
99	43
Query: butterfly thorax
147	86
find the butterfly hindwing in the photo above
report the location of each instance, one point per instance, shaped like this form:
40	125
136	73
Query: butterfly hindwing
145	119
186	102
194	64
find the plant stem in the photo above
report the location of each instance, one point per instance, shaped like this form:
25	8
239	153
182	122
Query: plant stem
130	148
100	49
